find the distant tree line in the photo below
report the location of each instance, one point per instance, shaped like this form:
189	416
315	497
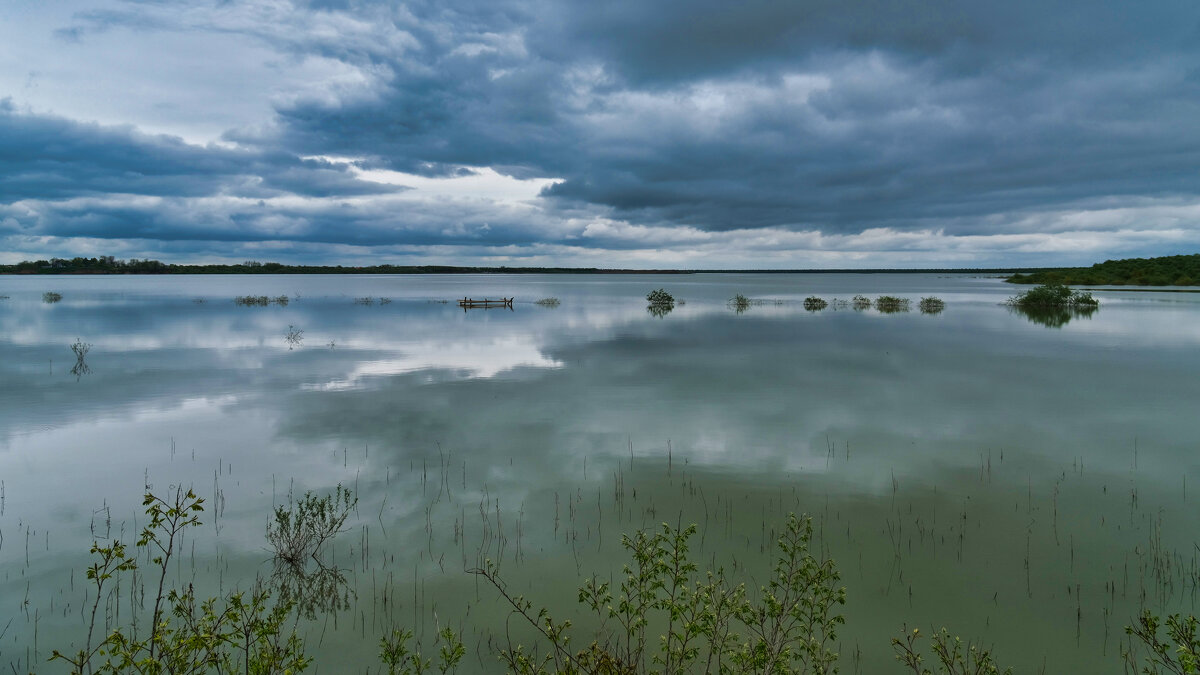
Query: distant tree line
111	265
1174	270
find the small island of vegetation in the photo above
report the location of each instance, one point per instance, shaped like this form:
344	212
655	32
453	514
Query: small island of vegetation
1174	270
1053	296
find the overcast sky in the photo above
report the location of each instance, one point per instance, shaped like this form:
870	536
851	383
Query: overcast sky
612	133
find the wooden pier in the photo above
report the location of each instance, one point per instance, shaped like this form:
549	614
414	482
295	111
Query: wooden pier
486	303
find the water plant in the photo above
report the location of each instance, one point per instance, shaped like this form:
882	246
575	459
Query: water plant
281	300
399	659
299	530
252	301
931	305
707	622
364	301
890	304
240	632
51	297
660	303
660	297
1180	654
950	655
860	302
814	304
741	303
547	302
1053	295
80	349
294	337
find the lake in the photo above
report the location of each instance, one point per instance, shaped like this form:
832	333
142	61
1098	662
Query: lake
1023	481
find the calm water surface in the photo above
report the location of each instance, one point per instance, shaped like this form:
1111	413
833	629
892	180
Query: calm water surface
1024	483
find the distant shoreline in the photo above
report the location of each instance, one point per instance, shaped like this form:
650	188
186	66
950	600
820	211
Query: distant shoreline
438	269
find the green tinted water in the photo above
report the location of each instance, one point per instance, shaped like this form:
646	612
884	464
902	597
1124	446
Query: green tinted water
1021	482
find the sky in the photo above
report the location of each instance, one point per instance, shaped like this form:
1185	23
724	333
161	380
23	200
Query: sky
774	134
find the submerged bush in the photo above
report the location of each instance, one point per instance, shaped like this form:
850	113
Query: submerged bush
252	301
1053	295
51	296
860	302
931	305
814	304
661	303
547	302
660	297
741	303
294	337
301	529
890	304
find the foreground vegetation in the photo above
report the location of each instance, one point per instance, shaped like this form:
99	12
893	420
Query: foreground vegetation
1175	270
662	614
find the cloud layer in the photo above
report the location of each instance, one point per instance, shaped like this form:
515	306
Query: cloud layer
697	134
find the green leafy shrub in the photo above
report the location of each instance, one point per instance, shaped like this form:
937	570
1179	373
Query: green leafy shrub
51	297
660	297
252	301
300	530
240	632
396	656
1180	654
1053	295
951	656
704	622
931	305
890	304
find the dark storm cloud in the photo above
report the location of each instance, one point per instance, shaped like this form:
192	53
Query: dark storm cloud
924	110
961	118
683	39
50	158
220	219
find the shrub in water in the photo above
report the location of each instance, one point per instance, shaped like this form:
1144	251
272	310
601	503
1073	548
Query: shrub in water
814	304
931	305
252	301
890	304
51	296
1053	295
660	297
